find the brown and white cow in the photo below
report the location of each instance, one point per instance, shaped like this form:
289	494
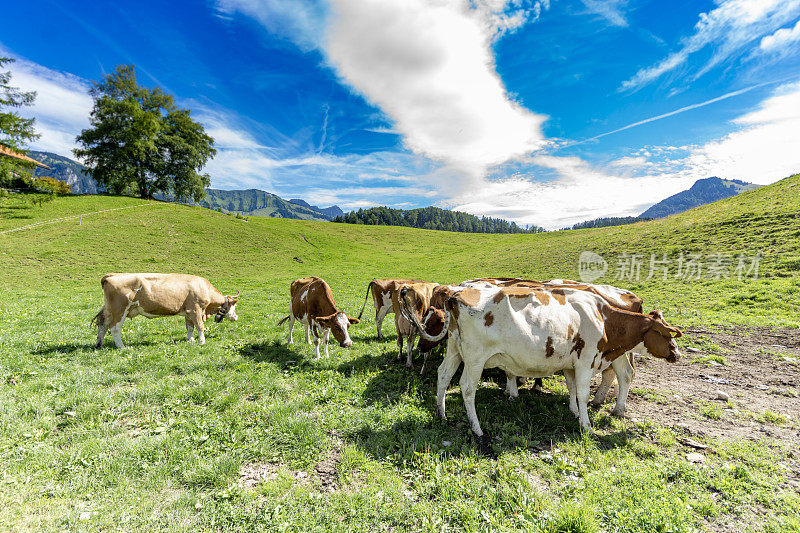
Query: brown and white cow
417	297
620	298
536	332
157	295
312	304
382	291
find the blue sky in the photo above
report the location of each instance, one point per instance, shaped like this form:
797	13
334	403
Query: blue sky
506	108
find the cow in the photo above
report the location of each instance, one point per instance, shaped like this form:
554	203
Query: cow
157	295
536	332
382	291
312	303
621	298
418	297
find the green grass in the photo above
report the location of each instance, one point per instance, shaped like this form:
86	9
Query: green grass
153	436
716	358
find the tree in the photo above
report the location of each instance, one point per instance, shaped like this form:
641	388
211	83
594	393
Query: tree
15	131
140	142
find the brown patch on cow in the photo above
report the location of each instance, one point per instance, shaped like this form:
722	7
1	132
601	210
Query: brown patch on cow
622	330
570	331
488	319
559	295
548	348
499	297
578	345
469	296
594	362
543	297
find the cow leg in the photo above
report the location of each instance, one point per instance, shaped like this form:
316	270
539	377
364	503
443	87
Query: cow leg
410	352
452	358
325	337
201	334
470	377
537	384
116	333
511	386
583	379
189	329
625	372
569	376
399	346
102	328
424	364
308	336
605	386
380	314
316	342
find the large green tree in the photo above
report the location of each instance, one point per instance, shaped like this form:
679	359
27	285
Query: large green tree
15	131
140	142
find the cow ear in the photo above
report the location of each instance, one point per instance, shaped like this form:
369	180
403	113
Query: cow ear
353	320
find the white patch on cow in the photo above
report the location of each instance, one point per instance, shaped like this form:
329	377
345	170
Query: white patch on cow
304	295
344	323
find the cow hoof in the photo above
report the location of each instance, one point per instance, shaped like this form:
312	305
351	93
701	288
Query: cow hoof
485	446
596	403
619	413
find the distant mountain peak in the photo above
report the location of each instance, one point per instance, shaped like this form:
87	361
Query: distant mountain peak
703	191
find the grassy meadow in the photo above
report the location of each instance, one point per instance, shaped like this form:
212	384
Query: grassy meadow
160	435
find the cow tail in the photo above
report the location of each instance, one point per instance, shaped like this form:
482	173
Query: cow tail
282	320
99	319
366	297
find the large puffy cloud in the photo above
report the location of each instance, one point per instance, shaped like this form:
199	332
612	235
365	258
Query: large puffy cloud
429	66
729	30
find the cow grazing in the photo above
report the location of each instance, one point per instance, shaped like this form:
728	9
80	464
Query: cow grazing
382	291
157	295
417	298
313	305
537	332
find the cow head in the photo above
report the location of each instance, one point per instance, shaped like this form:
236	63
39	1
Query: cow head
339	324
659	340
433	321
228	309
414	300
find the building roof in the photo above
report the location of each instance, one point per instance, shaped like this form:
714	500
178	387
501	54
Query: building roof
5	150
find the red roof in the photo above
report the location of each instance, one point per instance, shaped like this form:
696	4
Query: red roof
5	150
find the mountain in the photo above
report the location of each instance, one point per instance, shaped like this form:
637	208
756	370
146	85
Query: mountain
433	218
704	191
258	203
66	170
332	211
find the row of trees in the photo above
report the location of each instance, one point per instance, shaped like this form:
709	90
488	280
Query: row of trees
433	218
607	221
138	141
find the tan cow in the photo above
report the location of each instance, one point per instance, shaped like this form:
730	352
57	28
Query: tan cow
157	295
313	305
382	291
418	299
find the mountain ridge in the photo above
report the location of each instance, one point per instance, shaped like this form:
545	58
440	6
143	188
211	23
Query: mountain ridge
703	191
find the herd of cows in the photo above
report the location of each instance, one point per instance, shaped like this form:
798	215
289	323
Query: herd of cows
528	329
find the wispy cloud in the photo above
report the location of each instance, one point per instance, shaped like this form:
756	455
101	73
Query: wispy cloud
728	31
610	10
781	39
62	104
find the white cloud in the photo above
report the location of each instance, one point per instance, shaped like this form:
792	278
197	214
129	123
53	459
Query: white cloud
429	66
299	21
780	39
61	108
611	10
728	30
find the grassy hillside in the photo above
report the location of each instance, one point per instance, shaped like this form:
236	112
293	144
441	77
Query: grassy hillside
157	435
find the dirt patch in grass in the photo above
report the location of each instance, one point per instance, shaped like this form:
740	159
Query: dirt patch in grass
761	376
254	474
325	471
